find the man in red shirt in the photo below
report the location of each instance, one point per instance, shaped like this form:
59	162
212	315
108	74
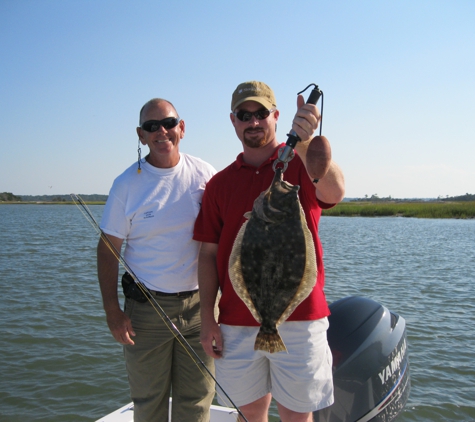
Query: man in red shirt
300	380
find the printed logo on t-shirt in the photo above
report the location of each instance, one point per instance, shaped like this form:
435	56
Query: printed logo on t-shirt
148	214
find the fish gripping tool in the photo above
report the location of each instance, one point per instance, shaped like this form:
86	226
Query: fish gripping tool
287	153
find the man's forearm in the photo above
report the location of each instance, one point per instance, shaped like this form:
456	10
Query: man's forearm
331	188
108	273
208	280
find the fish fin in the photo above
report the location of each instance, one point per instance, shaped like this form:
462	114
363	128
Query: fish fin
269	342
309	277
235	274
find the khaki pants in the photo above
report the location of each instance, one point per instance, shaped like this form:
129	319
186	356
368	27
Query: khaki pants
159	366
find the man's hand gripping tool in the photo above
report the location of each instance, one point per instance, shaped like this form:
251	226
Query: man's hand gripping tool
287	153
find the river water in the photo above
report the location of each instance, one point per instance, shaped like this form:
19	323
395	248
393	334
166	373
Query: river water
60	363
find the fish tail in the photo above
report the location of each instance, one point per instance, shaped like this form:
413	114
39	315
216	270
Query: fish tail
269	342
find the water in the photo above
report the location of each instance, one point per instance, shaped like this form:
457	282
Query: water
425	271
60	363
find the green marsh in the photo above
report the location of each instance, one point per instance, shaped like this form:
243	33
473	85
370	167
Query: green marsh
403	209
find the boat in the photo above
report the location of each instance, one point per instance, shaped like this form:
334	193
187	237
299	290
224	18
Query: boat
126	414
370	366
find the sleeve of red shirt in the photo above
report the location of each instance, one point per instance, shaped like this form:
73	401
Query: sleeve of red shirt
208	224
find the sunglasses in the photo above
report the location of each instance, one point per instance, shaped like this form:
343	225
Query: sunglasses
154	125
261	114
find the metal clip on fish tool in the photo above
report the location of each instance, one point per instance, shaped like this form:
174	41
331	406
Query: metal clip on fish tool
287	153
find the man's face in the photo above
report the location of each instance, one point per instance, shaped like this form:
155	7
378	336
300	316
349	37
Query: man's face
163	143
255	133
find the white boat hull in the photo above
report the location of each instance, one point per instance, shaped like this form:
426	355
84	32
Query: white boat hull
126	414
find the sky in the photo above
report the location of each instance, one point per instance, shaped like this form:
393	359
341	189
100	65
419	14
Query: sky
398	79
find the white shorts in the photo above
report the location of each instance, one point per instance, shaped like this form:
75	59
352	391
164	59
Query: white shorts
300	380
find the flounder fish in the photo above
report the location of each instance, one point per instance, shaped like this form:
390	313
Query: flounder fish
273	266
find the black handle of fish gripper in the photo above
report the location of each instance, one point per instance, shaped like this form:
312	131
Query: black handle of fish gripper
293	138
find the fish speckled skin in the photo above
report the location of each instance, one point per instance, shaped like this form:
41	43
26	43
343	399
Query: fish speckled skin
273	266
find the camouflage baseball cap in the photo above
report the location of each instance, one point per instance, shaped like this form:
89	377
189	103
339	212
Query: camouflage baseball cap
253	91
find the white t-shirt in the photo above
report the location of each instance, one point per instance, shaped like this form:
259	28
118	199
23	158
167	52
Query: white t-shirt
155	211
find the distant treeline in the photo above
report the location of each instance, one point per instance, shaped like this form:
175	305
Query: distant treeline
9	197
375	198
466	197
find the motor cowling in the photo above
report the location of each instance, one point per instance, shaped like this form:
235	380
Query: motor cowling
370	362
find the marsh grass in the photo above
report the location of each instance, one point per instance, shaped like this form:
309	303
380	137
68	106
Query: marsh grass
403	209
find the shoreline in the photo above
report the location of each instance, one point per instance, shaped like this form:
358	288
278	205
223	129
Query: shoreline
410	209
49	203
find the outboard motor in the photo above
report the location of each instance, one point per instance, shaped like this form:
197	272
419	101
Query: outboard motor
370	362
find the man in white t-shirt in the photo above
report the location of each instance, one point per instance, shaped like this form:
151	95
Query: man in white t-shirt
152	206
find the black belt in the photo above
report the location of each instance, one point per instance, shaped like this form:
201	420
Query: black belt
177	294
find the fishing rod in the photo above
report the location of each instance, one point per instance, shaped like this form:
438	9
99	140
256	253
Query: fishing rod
87	213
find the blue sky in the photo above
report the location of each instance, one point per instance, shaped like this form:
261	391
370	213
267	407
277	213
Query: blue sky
398	79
